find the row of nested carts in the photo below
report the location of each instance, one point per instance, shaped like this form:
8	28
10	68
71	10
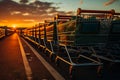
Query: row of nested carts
6	31
85	46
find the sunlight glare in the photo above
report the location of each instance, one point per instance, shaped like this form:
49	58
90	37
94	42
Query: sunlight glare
14	26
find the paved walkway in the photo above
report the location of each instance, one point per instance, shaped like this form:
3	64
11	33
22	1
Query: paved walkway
19	62
11	63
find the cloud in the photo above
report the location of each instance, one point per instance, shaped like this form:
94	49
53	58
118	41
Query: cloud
29	20
109	2
23	1
12	10
70	13
4	21
25	14
15	12
81	1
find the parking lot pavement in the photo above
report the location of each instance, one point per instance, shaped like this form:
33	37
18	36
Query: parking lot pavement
11	63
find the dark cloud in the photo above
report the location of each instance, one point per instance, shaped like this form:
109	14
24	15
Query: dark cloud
37	10
23	1
109	2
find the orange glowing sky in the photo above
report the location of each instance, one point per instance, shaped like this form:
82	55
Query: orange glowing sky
27	13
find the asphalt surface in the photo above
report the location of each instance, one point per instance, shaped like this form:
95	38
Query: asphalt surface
11	62
39	72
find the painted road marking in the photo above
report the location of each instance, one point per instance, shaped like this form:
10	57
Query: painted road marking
53	72
26	64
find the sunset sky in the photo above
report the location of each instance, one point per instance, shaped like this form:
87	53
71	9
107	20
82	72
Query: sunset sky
27	13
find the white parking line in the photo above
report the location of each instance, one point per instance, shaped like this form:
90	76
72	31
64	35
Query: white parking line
53	72
26	63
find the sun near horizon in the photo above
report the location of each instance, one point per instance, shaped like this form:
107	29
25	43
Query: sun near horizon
14	26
